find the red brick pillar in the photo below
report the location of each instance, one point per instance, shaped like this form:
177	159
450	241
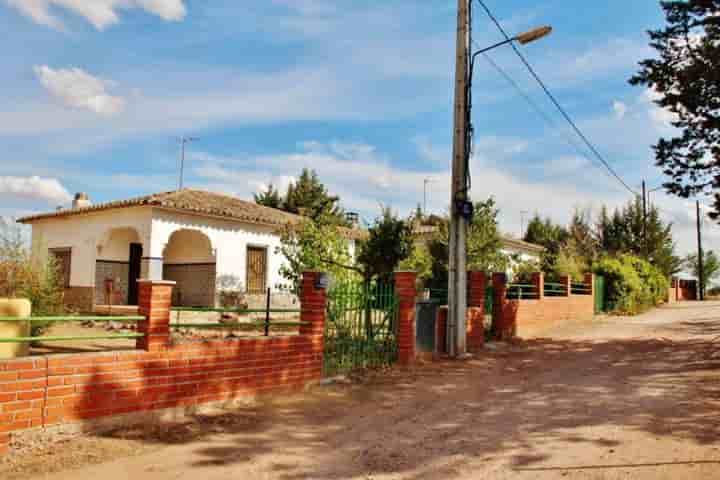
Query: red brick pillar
154	304
566	281
4	443
503	318
589	281
477	282
538	280
313	307
406	290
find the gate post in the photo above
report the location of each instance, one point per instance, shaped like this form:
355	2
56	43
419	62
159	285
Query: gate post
154	299
313	306
477	283
406	290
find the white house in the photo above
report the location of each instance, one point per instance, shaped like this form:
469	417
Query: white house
189	236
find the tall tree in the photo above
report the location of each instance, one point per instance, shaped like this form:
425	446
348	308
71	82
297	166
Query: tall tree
309	197
549	235
390	241
686	80
711	267
269	197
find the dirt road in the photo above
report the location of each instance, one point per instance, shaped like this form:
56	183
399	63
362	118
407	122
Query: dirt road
623	398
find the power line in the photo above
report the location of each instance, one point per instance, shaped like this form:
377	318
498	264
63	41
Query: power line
539	110
554	100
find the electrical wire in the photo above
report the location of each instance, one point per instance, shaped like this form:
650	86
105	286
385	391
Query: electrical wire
539	110
555	101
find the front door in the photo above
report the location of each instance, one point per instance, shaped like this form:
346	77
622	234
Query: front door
136	252
256	270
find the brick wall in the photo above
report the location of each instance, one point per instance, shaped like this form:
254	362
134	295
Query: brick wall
64	389
530	318
79	299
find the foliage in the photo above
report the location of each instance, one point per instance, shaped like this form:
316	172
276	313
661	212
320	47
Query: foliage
623	232
549	235
569	264
484	244
633	284
522	270
711	267
684	77
308	197
31	274
419	261
390	241
314	245
582	242
270	197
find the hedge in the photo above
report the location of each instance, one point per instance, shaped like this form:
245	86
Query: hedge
633	284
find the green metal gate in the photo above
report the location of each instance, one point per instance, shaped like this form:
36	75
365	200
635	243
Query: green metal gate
361	327
600	294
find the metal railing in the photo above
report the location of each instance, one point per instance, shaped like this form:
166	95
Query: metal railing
553	289
71	338
579	288
266	323
521	291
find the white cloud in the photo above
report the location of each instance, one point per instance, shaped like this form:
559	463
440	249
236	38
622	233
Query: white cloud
49	190
101	13
661	117
76	88
620	109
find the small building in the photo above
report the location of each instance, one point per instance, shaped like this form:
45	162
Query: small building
516	250
192	237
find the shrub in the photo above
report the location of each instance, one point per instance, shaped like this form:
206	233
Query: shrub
29	274
633	284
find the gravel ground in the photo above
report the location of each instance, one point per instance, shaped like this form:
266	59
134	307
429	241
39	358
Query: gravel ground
621	398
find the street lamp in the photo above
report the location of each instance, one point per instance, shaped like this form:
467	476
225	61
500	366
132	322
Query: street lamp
461	208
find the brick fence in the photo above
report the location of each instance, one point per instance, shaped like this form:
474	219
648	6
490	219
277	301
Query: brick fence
40	392
534	316
682	290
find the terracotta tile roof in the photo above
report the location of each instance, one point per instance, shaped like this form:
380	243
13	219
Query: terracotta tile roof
187	200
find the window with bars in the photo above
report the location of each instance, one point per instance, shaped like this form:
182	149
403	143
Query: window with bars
63	257
256	270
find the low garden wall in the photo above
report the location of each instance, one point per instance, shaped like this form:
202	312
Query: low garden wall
538	312
38	392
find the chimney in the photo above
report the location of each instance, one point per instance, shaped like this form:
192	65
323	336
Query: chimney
81	200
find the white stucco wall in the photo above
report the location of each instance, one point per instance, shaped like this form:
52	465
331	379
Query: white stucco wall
83	234
229	240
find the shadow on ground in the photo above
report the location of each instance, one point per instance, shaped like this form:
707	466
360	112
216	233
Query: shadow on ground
428	421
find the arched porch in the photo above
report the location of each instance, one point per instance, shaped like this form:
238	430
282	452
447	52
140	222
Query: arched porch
190	261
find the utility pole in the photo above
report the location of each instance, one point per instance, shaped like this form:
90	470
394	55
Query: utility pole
644	199
457	281
183	141
701	269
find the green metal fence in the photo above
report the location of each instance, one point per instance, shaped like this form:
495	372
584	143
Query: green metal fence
579	288
554	289
361	327
73	338
601	302
521	291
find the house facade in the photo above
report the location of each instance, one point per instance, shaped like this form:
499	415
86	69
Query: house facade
188	236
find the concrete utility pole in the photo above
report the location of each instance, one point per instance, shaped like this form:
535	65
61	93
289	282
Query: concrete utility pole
701	269
645	242
457	283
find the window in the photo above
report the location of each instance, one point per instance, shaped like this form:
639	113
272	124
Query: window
63	257
256	270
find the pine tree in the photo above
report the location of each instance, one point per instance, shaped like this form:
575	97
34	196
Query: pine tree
309	197
269	197
685	77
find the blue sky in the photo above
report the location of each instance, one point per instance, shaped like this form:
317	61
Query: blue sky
96	94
